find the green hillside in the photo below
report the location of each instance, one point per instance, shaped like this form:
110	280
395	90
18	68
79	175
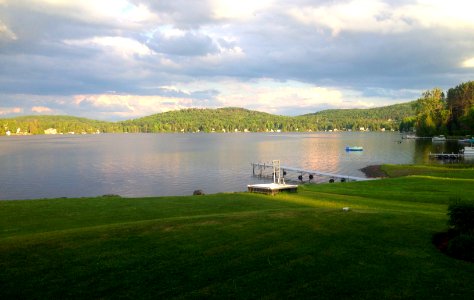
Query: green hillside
229	119
388	117
63	124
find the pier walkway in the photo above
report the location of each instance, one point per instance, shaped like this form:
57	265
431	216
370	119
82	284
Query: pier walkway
446	155
258	169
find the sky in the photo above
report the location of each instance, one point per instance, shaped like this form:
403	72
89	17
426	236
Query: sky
124	59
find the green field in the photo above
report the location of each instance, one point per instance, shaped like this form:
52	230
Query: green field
242	245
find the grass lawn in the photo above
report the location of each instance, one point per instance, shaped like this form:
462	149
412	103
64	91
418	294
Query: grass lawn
241	245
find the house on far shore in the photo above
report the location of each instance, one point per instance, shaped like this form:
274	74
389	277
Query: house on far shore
51	131
8	132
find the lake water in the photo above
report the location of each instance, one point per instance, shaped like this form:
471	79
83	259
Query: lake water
134	165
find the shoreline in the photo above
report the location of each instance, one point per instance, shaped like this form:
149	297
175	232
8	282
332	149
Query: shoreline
374	171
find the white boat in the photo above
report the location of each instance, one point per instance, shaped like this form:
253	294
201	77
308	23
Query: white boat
468	151
354	148
439	138
409	136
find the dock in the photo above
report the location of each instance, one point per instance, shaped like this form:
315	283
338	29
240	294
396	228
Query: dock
278	184
447	155
259	168
272	188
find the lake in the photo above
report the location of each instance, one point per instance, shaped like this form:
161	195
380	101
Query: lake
135	165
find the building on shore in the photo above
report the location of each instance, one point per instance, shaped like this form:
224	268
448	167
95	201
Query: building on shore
51	131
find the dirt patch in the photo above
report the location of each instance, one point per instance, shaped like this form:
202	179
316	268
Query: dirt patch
374	171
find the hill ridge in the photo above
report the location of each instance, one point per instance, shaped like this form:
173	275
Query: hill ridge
224	119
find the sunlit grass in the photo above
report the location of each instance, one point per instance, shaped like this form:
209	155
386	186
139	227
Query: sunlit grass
238	245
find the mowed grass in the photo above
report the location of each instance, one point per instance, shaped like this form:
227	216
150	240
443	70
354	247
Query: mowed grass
240	245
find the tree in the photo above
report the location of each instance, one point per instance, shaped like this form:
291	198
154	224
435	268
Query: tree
431	113
460	100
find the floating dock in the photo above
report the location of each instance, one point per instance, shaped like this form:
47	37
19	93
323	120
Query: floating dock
272	188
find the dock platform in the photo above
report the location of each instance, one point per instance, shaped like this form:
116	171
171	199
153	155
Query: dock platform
271	188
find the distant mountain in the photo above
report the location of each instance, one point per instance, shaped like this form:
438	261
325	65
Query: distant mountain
230	119
388	117
62	124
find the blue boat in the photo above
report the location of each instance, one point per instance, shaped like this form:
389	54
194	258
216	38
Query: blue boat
467	141
354	148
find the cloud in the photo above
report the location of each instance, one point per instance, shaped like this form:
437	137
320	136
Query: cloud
130	57
117	12
129	106
240	10
124	47
41	110
385	17
6	33
10	110
468	63
183	43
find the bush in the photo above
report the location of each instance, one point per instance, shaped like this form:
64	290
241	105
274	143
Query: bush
461	216
462	247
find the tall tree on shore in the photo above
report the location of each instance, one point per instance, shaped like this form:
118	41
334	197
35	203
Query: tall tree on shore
460	101
431	113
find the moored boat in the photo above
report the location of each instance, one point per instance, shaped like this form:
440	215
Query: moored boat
468	151
467	141
439	138
354	148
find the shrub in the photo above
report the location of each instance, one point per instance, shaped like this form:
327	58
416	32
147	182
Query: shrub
461	216
462	247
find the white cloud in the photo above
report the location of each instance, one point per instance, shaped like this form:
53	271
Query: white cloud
385	17
131	106
6	32
468	63
10	110
242	9
272	96
124	47
41	109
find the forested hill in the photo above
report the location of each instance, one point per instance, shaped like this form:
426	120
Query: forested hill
62	124
218	120
388	117
228	119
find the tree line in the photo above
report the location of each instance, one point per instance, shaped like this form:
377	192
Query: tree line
436	112
230	119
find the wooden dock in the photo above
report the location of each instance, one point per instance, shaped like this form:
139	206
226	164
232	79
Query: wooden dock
447	155
259	168
271	188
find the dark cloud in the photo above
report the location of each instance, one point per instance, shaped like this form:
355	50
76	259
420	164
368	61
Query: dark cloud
189	44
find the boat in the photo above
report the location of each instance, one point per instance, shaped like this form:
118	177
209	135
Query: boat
439	138
468	151
409	136
354	148
466	141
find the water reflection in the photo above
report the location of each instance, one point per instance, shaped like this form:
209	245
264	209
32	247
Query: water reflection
177	164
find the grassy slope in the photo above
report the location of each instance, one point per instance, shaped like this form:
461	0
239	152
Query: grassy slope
239	245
